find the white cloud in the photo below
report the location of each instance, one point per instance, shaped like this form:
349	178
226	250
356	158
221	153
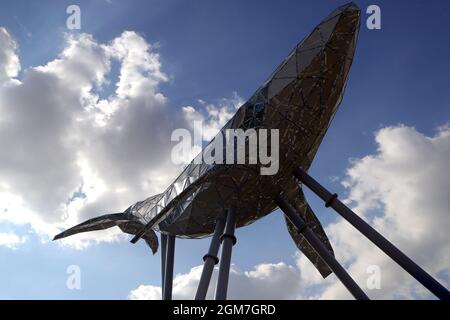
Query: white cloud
45	130
265	281
403	191
68	152
9	62
11	240
144	292
215	115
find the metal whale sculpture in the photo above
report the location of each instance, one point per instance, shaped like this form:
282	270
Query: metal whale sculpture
299	99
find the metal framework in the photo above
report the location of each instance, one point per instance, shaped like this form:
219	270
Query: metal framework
228	241
299	99
331	200
210	259
311	237
168	268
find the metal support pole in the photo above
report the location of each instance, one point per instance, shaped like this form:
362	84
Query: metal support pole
320	248
210	259
381	242
163	261
168	274
228	240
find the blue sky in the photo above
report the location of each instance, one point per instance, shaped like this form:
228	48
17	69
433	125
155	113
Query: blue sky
211	49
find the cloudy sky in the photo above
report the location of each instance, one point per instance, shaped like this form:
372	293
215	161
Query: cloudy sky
85	123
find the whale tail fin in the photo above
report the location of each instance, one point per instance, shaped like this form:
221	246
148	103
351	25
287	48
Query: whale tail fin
121	220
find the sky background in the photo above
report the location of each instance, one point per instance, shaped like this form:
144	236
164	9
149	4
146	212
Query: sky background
396	106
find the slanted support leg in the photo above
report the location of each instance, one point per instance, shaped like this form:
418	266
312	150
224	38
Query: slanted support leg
163	261
381	242
228	240
168	273
320	248
210	259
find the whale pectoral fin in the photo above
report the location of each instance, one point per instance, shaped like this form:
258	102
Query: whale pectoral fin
133	227
99	223
308	215
152	240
